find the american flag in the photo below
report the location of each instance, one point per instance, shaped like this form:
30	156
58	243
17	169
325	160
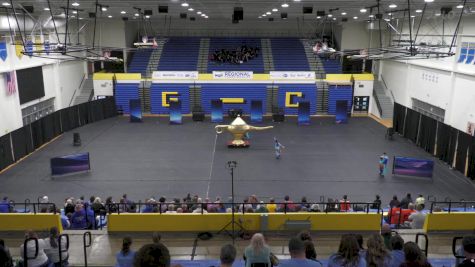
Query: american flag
11	83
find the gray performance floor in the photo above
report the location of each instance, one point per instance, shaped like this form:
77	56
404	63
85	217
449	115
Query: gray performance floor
156	159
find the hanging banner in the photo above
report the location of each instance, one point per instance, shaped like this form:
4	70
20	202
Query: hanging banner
3	51
19	49
29	48
292	75
233	75
175	75
47	47
11	82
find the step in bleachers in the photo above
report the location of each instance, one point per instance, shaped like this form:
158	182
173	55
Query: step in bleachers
332	66
289	55
256	64
139	62
180	54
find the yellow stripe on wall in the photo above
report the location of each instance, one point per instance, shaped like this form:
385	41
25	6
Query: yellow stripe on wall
102	76
363	77
128	76
232	100
457	221
25	221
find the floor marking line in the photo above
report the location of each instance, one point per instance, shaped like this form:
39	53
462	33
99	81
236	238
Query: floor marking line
212	164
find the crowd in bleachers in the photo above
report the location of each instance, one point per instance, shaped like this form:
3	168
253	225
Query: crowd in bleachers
240	55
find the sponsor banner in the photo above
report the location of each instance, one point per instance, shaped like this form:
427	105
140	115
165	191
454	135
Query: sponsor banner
233	75
292	75
175	75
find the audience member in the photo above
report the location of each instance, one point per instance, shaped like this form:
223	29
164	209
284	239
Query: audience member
386	234
394	202
345	204
69	206
156	237
227	255
468	244
5	255
257	251
420	200
271	206
407	212
288	205
377	203
97	206
310	251
359	239
413	256
304	236
405	201
240	55
5	206
152	255
125	257
348	254
377	255
41	259
417	218
78	219
298	255
52	249
397	254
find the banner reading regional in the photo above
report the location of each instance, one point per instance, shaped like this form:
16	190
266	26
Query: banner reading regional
233	75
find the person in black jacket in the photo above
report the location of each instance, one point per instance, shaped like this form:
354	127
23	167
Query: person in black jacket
468	244
405	201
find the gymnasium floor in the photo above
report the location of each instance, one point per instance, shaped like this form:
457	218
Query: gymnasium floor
156	159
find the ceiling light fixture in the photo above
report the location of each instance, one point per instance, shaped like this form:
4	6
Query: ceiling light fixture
185	4
199	12
136	14
275	10
80	18
296	0
330	15
260	17
412	16
75	4
318	17
392	6
387	20
75	12
268	13
123	12
428	1
355	17
264	15
104	8
46	9
285	5
190	9
437	14
390	14
460	6
5	4
147	17
334	18
371	16
419	11
343	13
109	16
363	10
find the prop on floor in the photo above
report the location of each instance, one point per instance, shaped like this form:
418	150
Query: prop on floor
239	128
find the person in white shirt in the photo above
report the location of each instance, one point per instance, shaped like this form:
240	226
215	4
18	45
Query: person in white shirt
41	260
52	248
417	218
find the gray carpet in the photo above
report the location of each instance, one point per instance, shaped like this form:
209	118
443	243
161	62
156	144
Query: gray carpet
156	159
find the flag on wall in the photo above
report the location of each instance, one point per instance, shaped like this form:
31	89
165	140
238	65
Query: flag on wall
3	51
19	49
11	82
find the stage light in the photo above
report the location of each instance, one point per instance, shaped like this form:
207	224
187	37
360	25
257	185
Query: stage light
460	6
285	5
184	4
392	6
190	9
75	4
46	9
363	10
343	13
123	12
275	10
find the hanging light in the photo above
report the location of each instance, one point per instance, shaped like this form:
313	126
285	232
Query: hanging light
285	5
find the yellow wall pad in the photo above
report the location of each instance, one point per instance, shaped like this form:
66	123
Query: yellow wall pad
232	100
25	221
363	77
128	76
129	222
103	76
457	221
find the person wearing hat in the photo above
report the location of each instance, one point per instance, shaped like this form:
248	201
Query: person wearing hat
468	244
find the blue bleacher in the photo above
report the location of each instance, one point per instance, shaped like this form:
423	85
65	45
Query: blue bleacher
140	60
180	54
230	44
332	66
289	55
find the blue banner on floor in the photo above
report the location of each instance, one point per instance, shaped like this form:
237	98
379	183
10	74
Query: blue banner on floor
216	110
256	111
304	113
413	167
175	112
70	164
341	111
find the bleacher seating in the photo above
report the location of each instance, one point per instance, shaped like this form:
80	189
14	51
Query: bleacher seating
331	66
140	60
289	55
180	54
256	64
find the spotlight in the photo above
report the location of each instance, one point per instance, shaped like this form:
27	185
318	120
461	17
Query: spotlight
392	6
75	4
285	5
363	10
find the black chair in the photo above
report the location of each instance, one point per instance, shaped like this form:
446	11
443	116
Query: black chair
234	112
390	133
76	139
198	114
278	114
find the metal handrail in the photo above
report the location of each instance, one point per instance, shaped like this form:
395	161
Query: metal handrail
378	105
450	204
60	250
386	87
25	250
87	235
454	247
82	81
36	206
426	243
283	206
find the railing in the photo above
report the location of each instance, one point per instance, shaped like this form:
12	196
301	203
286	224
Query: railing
387	88
426	243
37	207
82	81
281	207
87	242
91	95
378	105
453	206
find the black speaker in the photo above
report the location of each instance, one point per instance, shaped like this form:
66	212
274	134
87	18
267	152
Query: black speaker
271	19
76	139
125	18
29	9
147	12
238	13
234	20
278	114
445	10
192	18
92	15
182	15
307	10
344	19
321	13
162	9
198	114
234	112
379	16
283	15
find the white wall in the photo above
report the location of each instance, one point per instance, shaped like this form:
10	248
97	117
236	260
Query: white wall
109	33
10	113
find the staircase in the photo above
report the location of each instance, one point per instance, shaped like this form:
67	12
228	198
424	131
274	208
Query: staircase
322	97
155	58
267	55
311	58
385	102
84	93
203	55
144	94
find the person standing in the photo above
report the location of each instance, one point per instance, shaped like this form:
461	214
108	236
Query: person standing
383	164
278	148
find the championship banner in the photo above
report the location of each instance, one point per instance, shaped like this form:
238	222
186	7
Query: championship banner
175	75
11	82
175	112
47	47
256	111
304	113
292	75
3	51
29	48
233	75
413	166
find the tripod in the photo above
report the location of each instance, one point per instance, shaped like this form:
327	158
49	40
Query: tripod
231	165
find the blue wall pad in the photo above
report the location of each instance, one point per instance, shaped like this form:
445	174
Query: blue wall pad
179	91
339	92
294	93
247	92
123	93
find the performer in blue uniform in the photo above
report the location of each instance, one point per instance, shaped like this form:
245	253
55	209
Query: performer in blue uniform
278	148
383	164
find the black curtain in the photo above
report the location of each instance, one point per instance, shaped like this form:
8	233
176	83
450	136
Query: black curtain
6	157
453	133
22	142
471	160
463	143
109	107
399	118
98	108
84	113
73	113
427	133
37	133
443	132
57	123
65	125
47	127
412	125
